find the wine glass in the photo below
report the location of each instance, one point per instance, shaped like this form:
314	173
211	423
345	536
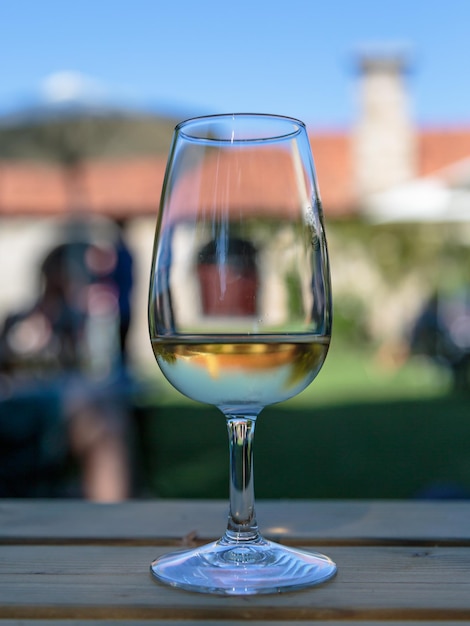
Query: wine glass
240	316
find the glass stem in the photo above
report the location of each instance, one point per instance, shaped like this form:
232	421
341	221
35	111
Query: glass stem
242	525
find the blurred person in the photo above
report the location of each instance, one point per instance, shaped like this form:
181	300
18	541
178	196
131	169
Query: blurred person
64	350
441	332
123	277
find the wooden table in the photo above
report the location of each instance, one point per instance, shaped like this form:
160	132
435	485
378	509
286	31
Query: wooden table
74	562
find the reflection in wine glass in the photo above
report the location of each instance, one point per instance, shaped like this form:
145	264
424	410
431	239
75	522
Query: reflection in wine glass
240	316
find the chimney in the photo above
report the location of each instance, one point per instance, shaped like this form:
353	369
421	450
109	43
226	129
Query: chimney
384	138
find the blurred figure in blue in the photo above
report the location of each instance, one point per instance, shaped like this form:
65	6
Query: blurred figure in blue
62	367
123	278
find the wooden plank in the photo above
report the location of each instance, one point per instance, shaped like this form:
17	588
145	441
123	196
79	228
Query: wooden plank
296	522
93	582
171	622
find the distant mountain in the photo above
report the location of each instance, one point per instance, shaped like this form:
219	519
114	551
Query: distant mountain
74	133
72	116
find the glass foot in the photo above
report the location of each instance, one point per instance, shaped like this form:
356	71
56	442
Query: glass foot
243	569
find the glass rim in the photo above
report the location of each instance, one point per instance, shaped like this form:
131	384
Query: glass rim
283	127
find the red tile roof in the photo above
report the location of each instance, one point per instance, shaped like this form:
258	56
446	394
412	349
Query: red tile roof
439	148
256	188
132	187
112	187
332	153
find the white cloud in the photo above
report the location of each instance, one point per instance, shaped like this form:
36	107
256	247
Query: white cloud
67	86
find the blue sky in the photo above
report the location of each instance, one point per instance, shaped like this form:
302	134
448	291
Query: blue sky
292	57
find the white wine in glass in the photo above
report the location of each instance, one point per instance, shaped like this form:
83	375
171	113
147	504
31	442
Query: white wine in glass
240	316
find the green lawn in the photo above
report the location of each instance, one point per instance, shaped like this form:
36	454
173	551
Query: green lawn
353	376
359	431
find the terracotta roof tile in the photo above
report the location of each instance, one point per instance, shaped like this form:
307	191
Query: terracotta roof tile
110	187
122	187
240	193
332	153
439	148
28	187
132	187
